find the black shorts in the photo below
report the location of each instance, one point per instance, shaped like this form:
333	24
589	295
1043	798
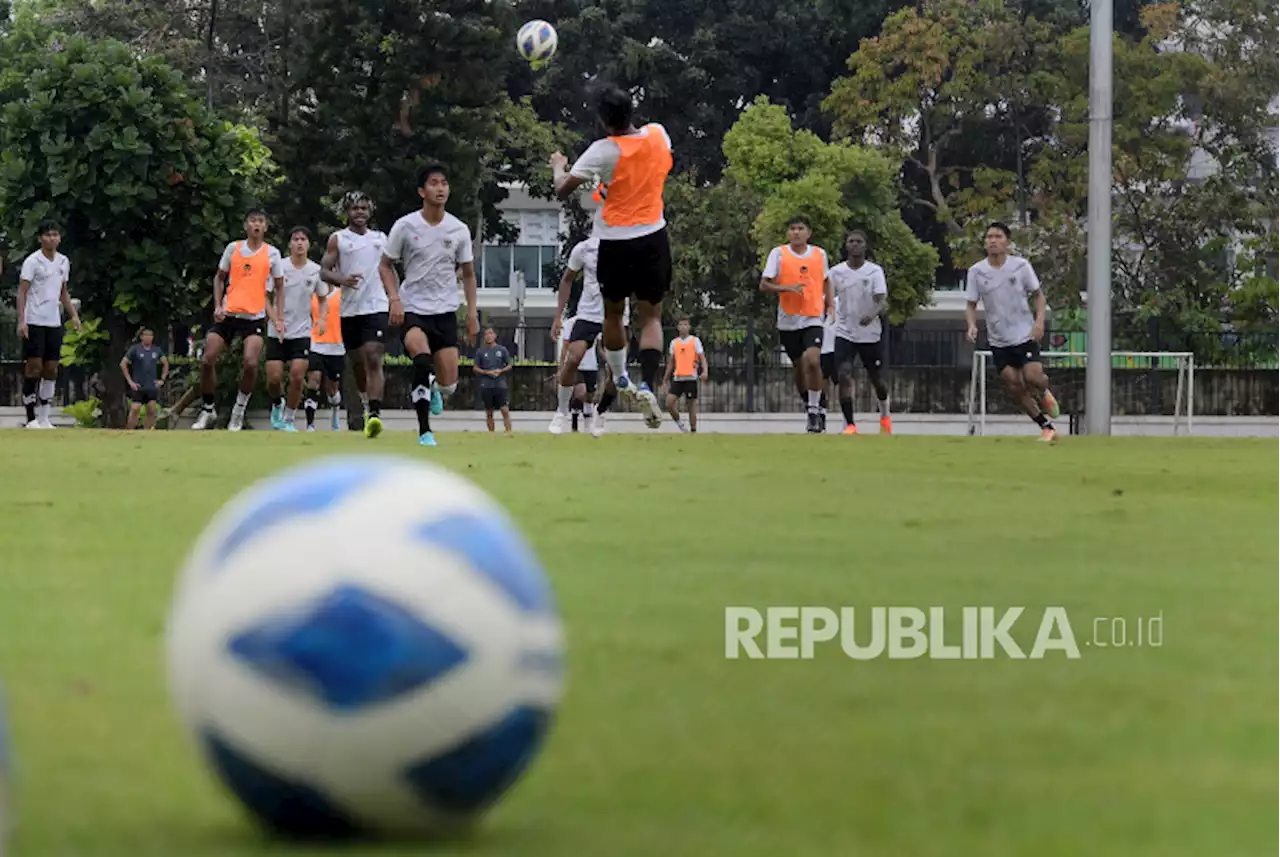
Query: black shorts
828	365
289	350
43	342
1016	356
585	331
143	395
639	268
688	388
329	364
869	353
441	329
359	330
590	377
797	342
493	398
232	328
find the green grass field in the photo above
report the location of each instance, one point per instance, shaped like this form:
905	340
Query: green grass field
665	747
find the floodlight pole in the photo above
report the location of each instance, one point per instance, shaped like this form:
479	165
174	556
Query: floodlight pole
1098	369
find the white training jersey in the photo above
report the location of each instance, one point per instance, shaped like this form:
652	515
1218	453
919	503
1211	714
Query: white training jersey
787	321
583	257
1003	293
360	254
228	256
430	256
44	295
300	284
856	290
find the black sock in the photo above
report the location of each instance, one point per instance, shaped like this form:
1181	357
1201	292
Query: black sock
312	397
1042	421
375	408
29	386
207	399
822	401
606	400
846	405
278	401
650	360
422	367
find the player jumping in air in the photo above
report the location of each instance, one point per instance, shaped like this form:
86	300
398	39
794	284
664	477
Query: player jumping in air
246	269
42	289
327	357
302	286
434	248
797	273
860	293
686	366
635	252
351	260
1004	283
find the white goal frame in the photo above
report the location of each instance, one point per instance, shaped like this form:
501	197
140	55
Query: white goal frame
1185	364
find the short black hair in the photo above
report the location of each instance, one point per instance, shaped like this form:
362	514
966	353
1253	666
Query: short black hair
615	107
145	331
683	317
47	226
853	232
429	170
295	230
799	219
256	212
996	224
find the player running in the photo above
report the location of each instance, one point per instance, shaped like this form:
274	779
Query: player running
860	294
434	248
1003	283
42	288
327	357
632	164
302	287
247	270
351	262
139	369
686	366
797	273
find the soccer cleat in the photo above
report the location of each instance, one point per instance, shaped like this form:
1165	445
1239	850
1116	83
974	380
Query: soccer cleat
557	424
649	407
886	425
1049	404
850	429
34	424
335	420
437	403
372	427
311	428
208	416
237	419
597	429
277	417
1048	435
427	439
813	422
680	424
44	423
288	427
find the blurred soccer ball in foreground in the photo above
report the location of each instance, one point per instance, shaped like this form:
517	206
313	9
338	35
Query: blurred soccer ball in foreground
537	41
365	646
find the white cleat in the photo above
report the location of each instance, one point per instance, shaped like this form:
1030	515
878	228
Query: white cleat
558	423
45	423
682	425
208	416
34	424
597	426
237	420
649	407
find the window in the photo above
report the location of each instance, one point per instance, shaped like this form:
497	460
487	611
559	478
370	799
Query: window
535	253
496	264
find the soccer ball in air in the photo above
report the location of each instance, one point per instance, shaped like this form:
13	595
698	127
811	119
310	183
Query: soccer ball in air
365	646
537	41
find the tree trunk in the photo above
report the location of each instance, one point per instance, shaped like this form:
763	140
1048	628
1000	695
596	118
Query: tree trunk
113	386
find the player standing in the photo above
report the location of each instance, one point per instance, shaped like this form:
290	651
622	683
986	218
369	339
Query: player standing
351	262
686	365
797	273
860	293
302	286
434	248
246	269
1003	283
492	362
632	164
327	356
139	367
42	289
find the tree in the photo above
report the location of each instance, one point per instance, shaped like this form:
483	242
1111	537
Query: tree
146	184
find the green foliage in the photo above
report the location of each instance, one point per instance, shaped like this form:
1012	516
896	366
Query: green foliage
87	413
86	346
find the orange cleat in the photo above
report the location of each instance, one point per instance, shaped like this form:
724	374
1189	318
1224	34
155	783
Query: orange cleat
886	425
850	429
1048	435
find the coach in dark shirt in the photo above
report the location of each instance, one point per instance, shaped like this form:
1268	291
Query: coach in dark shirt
493	362
139	368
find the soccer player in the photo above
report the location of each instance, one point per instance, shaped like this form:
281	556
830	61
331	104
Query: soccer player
860	293
246	269
797	273
42	289
302	287
686	365
1004	283
434	248
351	262
492	362
139	368
634	260
580	334
327	357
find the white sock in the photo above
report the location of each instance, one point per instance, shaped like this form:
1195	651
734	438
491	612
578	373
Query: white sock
617	361
335	400
815	398
289	415
565	394
884	407
45	398
589	409
242	401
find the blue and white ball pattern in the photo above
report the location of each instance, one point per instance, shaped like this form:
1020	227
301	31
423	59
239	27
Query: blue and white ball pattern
537	41
365	646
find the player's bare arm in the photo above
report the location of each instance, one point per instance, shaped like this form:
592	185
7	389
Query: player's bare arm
828	300
391	283
70	307
164	369
329	266
562	300
23	288
124	370
278	308
1037	329
565	182
770	285
468	271
702	366
219	283
971	320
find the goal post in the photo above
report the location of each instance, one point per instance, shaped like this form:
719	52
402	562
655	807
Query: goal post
1152	392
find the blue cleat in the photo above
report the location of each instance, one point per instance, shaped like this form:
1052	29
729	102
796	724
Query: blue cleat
427	439
277	417
437	403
